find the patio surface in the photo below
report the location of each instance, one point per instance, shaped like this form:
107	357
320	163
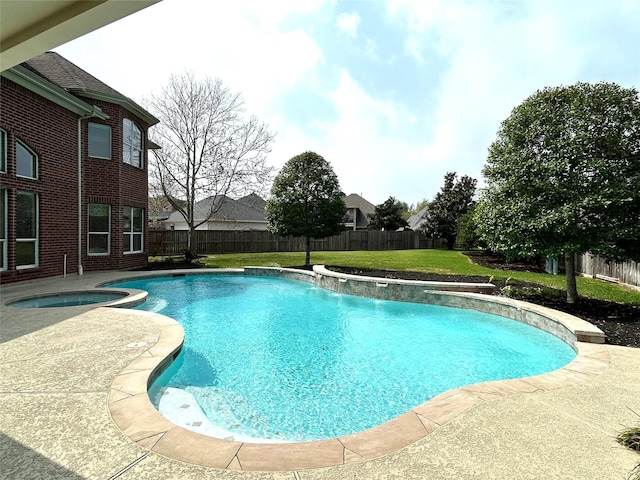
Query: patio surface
58	367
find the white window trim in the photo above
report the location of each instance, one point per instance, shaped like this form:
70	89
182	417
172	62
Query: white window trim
131	233
103	126
3	150
3	240
35	240
108	233
35	160
127	123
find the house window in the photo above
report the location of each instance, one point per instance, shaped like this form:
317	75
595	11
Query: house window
99	236
26	229
132	228
131	143
3	229
3	151
100	141
348	216
26	161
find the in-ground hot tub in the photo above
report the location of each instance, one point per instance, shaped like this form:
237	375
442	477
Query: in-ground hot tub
68	299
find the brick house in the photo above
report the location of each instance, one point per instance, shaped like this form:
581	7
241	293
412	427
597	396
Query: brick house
73	173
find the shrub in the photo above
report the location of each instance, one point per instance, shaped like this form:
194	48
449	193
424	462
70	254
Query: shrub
630	438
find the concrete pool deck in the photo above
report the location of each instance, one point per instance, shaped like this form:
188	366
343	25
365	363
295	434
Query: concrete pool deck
59	365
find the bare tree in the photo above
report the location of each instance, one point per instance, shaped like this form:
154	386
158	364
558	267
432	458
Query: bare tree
208	149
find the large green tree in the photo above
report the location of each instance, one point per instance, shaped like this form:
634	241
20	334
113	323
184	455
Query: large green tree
454	199
306	200
563	177
389	215
467	236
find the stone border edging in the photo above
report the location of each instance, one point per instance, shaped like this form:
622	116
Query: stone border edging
132	410
321	270
563	325
130	298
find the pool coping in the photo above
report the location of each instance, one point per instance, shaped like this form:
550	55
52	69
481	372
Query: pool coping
130	298
134	414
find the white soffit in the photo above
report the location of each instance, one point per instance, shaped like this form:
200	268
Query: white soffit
31	27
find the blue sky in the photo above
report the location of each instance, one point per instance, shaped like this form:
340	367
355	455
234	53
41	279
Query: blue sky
393	93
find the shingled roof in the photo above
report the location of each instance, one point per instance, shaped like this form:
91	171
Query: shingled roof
356	201
255	201
62	73
244	209
417	220
65	74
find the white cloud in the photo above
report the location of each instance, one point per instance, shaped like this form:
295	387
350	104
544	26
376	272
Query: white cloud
348	23
370	49
418	15
240	42
493	62
471	63
362	144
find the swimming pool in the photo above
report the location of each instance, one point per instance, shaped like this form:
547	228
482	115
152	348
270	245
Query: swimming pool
277	359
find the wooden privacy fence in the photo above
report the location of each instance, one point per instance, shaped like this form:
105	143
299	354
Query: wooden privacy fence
625	272
173	242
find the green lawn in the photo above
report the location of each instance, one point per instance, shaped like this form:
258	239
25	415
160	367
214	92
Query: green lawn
432	261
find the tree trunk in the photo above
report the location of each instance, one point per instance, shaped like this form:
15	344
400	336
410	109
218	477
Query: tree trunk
451	241
188	254
307	258
570	272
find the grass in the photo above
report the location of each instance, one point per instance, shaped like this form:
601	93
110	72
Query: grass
630	438
429	261
432	261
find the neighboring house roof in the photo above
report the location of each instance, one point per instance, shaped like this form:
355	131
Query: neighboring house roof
159	208
231	210
356	201
416	220
363	208
255	201
64	74
161	204
160	216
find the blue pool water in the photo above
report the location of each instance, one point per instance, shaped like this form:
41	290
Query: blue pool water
271	358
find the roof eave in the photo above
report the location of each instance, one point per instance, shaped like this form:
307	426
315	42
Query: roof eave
28	28
46	89
118	99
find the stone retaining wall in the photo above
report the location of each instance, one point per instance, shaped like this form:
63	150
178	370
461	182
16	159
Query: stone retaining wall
568	328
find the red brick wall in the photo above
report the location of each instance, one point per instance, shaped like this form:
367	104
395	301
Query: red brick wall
51	132
48	130
122	184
